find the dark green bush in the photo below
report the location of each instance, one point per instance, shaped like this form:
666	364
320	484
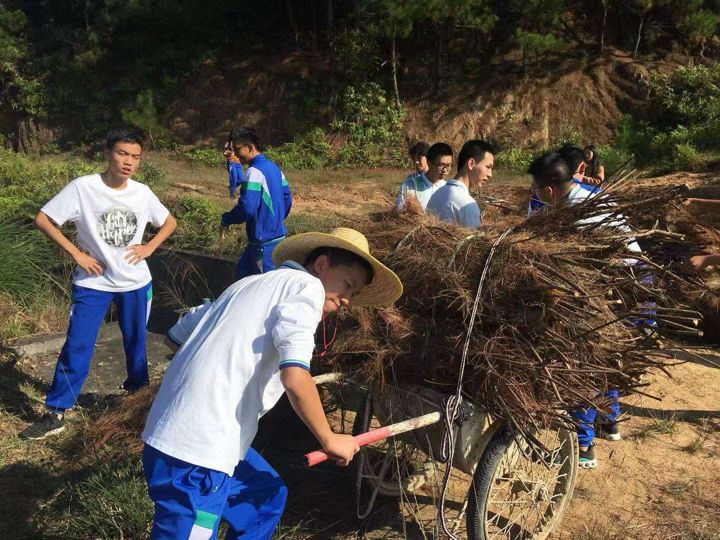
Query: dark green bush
516	160
309	151
372	126
209	157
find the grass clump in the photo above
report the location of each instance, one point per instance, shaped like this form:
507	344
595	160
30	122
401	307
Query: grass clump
198	222
111	502
25	260
658	426
208	157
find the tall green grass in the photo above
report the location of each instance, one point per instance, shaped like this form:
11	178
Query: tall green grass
27	261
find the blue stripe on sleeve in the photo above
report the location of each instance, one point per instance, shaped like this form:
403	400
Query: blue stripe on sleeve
294	363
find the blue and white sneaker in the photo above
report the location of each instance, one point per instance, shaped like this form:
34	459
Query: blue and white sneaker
587	458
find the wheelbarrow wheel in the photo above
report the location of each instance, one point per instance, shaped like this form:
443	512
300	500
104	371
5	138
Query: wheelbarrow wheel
388	467
520	491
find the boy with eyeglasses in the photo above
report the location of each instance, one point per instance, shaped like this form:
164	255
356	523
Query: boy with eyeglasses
453	203
264	203
437	164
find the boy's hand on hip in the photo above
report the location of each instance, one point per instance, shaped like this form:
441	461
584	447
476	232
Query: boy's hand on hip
90	265
341	448
137	252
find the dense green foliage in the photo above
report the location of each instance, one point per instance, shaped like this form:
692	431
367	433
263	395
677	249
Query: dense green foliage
87	65
683	129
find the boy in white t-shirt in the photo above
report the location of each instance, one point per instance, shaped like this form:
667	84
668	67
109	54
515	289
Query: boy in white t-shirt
251	345
110	212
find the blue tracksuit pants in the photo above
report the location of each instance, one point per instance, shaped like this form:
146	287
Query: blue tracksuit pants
86	315
190	500
256	259
586	419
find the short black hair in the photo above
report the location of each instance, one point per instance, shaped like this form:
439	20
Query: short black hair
122	135
474	149
240	136
573	156
420	148
550	169
439	149
339	256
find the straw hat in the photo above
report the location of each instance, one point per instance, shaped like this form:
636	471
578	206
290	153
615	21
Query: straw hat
385	287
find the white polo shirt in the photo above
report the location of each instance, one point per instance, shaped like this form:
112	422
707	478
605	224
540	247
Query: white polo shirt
227	374
418	186
453	203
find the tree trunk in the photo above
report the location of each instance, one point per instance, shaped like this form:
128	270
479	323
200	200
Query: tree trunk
603	26
330	17
639	35
393	62
438	61
87	16
293	22
314	22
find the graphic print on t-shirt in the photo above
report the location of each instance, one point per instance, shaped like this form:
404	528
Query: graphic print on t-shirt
117	227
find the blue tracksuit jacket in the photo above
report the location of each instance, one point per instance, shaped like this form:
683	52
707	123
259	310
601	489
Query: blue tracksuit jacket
264	202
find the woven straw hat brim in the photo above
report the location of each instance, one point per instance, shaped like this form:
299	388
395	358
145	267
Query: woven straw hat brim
383	290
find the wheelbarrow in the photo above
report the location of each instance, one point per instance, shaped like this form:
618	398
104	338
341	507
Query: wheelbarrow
517	490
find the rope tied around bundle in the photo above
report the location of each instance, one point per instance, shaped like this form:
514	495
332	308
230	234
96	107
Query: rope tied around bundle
452	403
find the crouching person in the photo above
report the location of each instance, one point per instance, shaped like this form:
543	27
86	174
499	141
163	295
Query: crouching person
251	345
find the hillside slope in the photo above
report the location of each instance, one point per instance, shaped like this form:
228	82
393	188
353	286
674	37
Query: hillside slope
284	95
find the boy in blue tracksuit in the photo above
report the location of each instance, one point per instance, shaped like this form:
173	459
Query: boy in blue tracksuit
264	203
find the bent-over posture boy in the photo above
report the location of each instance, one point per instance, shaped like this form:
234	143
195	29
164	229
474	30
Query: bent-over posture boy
251	345
110	212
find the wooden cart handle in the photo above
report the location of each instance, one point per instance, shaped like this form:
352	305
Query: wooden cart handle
375	435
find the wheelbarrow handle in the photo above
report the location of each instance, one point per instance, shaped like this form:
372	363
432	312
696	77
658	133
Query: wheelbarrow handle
375	435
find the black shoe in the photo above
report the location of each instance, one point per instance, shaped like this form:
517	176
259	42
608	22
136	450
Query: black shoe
609	432
50	424
587	458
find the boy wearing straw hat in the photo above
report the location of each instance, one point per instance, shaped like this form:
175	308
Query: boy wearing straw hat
254	343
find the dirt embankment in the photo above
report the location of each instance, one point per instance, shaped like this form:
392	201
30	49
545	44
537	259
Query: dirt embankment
275	93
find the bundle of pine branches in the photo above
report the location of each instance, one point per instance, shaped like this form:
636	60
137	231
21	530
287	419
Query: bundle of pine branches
569	307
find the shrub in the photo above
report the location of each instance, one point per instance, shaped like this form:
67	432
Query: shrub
372	125
686	157
13	167
516	160
613	158
567	134
145	117
151	175
198	221
309	151
209	157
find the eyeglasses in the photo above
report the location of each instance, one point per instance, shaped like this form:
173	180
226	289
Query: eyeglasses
443	166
